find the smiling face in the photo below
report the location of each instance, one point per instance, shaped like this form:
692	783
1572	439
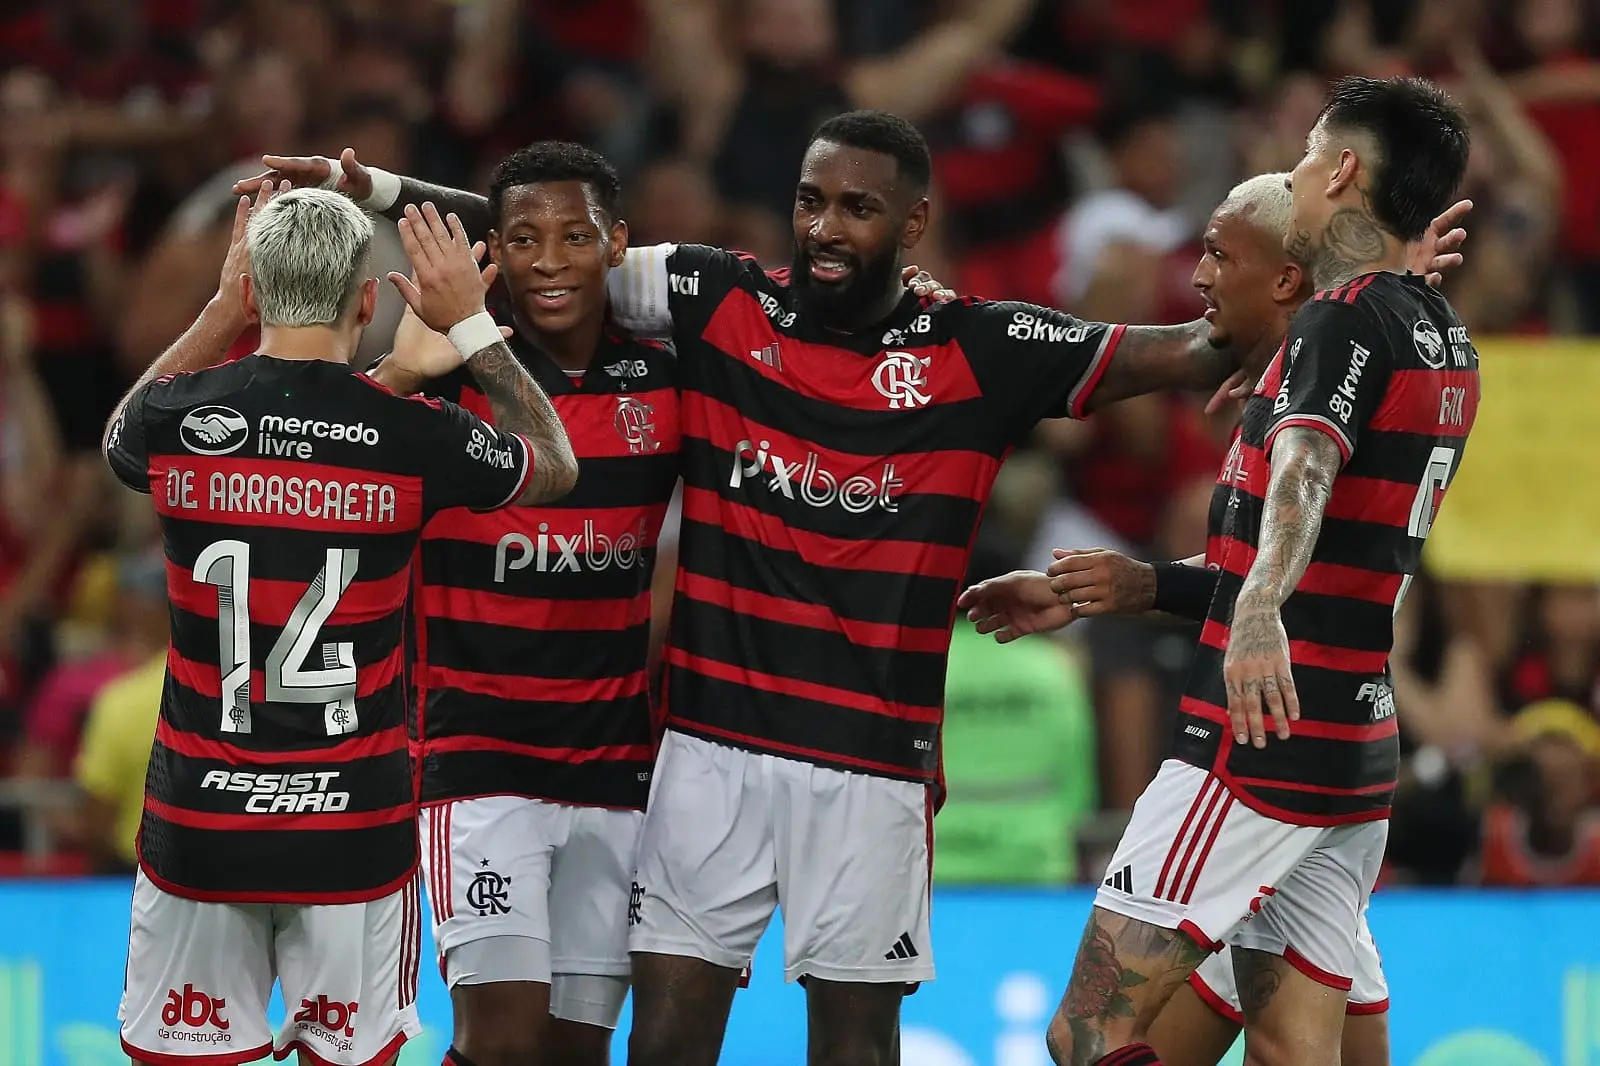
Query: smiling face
555	247
853	217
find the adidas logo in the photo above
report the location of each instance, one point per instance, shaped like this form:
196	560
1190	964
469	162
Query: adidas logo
1122	880
903	949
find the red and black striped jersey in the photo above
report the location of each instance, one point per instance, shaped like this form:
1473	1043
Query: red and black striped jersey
292	496
833	485
1385	368
533	623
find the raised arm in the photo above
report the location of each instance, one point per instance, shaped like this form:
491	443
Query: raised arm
448	296
208	338
373	188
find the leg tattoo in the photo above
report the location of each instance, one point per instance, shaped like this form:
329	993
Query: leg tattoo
1125	972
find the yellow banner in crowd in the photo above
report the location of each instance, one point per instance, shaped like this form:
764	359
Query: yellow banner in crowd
1525	504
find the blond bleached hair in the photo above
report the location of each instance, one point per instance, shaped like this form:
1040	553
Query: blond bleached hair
1263	201
308	257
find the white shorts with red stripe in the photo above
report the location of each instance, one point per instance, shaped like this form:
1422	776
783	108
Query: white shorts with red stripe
548	883
730	834
200	974
1194	857
1369	992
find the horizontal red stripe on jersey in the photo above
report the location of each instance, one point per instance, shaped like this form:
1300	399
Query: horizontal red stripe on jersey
531	613
1359	499
1431	403
639	524
1308	653
837	375
811	615
206	679
308	822
805	690
1305	727
819	549
570	756
284	495
271	602
1322	579
195	746
760	448
809	754
544	689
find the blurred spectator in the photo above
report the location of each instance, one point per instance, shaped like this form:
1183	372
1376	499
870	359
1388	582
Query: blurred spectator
1019	751
111	765
1561	659
138	631
1543	827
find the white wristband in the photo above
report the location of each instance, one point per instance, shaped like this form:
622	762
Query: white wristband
335	172
385	190
473	335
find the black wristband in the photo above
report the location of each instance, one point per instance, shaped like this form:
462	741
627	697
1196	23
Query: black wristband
1185	591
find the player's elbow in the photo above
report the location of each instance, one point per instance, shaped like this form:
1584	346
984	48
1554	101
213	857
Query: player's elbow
555	473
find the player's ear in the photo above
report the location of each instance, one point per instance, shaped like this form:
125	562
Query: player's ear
1345	177
1286	288
916	224
495	247
619	243
247	297
369	301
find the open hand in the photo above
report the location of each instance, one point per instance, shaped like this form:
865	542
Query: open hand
1014	605
314	171
421	353
923	284
1100	581
448	286
1256	671
236	264
1439	248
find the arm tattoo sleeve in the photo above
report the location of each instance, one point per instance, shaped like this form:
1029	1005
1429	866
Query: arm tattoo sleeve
1304	463
472	208
1153	358
520	406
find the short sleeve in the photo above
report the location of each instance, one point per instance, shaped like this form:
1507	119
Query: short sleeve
1035	362
127	447
661	287
1335	371
467	462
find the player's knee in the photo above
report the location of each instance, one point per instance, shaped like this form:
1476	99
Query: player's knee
512	1042
856	1049
1058	1040
573	1043
671	1045
1286	1046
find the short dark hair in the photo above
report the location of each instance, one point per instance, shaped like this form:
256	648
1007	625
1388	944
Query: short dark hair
1422	140
879	131
545	161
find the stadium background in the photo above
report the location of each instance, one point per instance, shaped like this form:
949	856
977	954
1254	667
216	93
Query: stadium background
1079	145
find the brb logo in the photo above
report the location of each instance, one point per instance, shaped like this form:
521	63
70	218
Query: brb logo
635	423
813	484
902	379
213	430
194	1010
588	549
329	1020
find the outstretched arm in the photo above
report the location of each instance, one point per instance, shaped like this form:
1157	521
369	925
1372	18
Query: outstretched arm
1158	358
1256	667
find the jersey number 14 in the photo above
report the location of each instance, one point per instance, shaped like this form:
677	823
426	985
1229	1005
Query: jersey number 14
226	564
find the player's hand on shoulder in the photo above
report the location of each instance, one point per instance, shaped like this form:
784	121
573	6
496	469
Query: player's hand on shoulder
345	174
446	285
1014	605
1098	581
1439	248
923	284
1256	671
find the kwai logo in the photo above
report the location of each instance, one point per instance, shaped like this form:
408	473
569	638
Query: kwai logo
809	482
587	549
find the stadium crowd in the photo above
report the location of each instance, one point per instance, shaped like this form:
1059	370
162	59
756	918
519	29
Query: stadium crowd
1079	146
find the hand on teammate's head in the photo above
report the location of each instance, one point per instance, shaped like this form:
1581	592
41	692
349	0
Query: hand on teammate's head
446	286
313	171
